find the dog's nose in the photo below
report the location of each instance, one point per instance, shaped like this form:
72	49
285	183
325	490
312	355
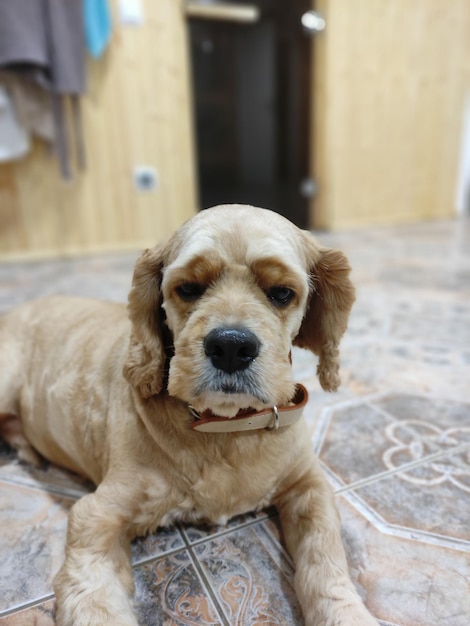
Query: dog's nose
231	349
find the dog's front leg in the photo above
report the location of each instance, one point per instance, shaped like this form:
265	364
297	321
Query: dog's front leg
311	528
95	585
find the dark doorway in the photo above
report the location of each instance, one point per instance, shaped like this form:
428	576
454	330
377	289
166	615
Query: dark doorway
251	85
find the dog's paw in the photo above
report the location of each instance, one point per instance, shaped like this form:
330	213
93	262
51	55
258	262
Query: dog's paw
79	604
89	612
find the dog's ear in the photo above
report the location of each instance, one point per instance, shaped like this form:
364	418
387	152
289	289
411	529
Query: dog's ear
326	318
144	368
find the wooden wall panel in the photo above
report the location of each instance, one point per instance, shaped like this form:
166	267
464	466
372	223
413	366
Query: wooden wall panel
137	110
389	84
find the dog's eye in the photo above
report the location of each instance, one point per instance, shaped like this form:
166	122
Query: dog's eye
280	296
190	291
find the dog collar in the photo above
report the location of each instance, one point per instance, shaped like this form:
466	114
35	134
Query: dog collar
269	419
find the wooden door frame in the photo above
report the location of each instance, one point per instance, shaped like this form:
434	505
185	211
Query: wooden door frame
297	124
317	210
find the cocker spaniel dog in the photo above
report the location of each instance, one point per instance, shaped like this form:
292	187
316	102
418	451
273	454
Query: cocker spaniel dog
186	408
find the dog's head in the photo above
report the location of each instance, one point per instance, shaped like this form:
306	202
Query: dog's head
236	286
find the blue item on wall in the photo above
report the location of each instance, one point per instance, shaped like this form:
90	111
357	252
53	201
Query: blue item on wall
97	22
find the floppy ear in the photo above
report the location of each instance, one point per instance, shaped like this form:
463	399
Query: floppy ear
144	368
326	318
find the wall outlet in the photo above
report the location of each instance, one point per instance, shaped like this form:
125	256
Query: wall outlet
145	178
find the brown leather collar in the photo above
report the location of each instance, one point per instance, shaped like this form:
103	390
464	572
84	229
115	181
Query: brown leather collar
270	419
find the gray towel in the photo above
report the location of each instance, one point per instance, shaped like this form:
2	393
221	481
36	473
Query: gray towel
44	40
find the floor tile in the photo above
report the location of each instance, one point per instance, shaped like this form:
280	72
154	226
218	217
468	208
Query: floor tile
439	413
106	276
48	477
383	433
161	542
32	543
404	581
386	364
429	502
351	441
449	330
202	532
273	527
169	591
41	615
252	581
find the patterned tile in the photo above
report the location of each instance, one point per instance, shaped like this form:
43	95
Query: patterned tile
252	580
448	330
352	440
32	543
417	275
48	477
404	581
41	615
441	414
273	527
161	542
169	591
107	276
386	363
201	532
383	433
429	502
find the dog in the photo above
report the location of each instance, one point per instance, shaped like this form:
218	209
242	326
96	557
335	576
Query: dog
185	408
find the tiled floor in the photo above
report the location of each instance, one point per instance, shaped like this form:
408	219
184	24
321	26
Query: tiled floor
394	441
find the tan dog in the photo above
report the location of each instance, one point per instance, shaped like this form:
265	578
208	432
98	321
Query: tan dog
213	314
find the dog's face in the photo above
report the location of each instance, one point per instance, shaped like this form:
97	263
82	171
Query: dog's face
234	295
238	286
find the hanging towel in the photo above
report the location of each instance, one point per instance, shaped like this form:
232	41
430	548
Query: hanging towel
14	141
32	105
43	40
97	23
45	37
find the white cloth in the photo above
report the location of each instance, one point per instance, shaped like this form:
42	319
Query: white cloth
14	140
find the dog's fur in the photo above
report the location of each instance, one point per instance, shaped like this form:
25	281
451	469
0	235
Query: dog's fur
107	397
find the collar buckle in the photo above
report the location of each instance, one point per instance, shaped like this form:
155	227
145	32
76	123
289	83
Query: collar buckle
275	424
194	413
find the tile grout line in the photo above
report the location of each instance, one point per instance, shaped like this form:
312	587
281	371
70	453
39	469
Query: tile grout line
27	605
398	470
278	546
203	578
199	567
228	530
208	587
70	494
156	557
189	544
150	559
